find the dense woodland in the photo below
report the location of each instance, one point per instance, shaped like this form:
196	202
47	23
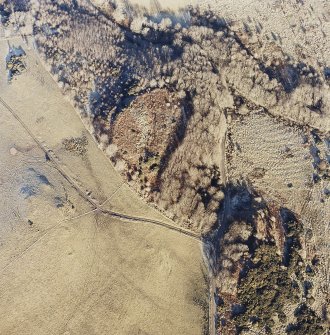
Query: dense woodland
103	65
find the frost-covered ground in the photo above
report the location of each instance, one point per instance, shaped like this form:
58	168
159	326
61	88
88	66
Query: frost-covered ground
218	116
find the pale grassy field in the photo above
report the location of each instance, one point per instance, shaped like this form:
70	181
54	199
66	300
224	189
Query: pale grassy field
67	271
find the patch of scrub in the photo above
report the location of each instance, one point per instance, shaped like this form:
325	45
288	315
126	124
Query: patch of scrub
15	62
76	145
59	201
